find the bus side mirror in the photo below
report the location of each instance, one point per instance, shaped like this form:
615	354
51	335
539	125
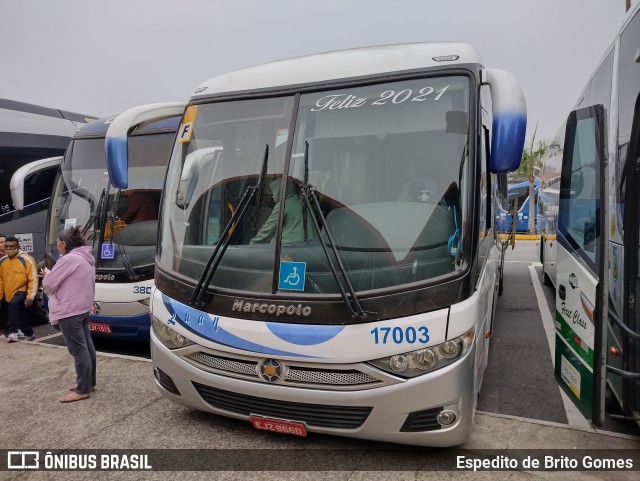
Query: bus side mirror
116	141
24	174
509	120
194	163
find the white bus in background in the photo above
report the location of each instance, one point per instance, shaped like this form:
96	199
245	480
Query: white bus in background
592	257
120	224
364	306
30	133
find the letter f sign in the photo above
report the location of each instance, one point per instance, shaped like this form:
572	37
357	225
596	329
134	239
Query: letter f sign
186	127
185	132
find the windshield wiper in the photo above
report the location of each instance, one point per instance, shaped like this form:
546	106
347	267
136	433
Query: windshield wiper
197	297
454	244
83	193
95	213
307	190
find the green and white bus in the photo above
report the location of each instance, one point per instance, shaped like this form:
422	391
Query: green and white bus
590	251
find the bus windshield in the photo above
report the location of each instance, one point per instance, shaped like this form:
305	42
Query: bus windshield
78	189
126	220
386	163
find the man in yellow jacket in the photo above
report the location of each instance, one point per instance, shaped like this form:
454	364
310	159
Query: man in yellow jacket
18	286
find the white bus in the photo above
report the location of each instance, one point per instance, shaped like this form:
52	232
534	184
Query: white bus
30	138
358	298
120	224
592	256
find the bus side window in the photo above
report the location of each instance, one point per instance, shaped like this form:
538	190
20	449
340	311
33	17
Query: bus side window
579	196
37	186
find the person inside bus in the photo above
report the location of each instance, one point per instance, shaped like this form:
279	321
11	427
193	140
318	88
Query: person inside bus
417	191
420	187
292	226
142	206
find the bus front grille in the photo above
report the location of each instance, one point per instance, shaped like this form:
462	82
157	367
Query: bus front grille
295	375
336	417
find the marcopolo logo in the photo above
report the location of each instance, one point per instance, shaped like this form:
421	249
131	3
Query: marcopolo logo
277	309
105	277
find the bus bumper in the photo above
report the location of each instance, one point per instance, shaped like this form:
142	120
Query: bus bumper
391	406
131	328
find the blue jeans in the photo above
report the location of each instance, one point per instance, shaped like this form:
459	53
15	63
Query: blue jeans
18	315
75	331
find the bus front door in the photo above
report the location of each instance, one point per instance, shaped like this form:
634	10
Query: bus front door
582	250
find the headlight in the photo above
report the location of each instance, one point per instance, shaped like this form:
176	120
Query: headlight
168	336
427	359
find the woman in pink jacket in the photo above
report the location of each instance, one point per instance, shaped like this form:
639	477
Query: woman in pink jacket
71	289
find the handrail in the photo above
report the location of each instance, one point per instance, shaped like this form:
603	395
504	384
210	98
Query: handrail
632	334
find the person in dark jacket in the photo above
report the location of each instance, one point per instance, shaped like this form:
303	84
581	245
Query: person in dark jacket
142	206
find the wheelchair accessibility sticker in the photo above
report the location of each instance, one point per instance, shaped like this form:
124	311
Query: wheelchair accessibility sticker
108	251
292	276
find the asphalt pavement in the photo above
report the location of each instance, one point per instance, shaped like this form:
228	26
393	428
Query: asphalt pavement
519	379
519	414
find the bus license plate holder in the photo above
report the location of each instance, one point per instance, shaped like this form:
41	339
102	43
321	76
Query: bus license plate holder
280	426
99	327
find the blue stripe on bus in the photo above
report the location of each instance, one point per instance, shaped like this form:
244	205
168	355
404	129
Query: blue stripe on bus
203	324
304	335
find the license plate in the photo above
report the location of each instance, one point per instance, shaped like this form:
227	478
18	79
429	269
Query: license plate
278	426
100	327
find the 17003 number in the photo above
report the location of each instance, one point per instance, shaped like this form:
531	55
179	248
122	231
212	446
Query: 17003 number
398	335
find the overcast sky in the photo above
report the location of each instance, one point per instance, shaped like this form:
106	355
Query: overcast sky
100	57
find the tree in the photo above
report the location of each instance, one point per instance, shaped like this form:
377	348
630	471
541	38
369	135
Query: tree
532	160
